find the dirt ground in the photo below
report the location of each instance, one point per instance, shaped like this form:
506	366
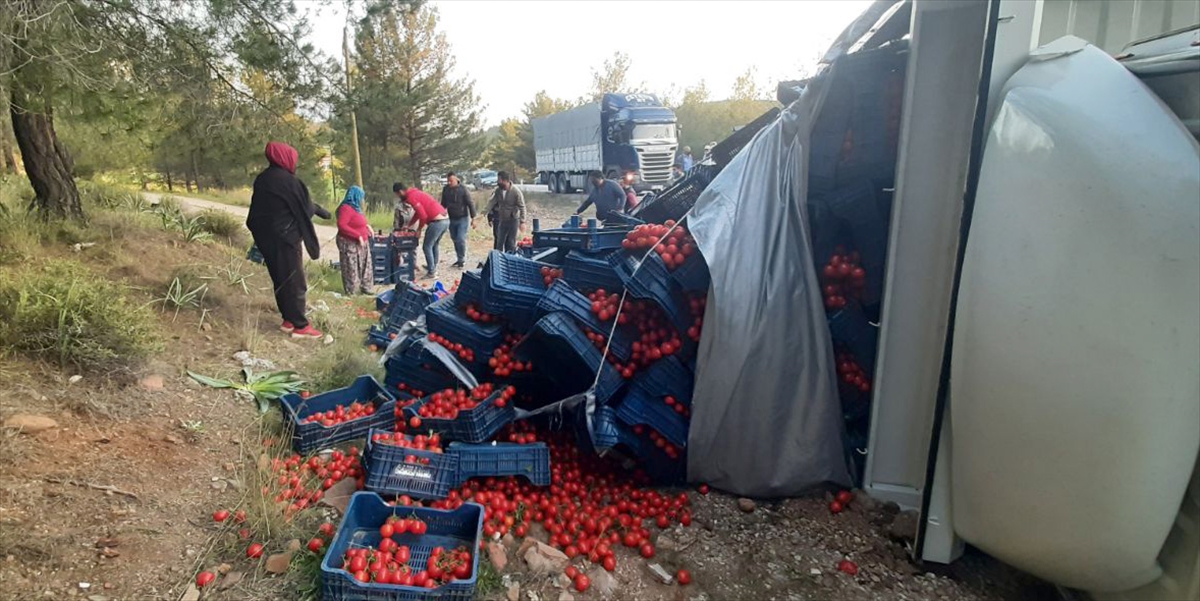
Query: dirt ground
115	501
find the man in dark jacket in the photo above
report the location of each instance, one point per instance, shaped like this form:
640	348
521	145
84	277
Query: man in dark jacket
457	200
507	210
606	194
280	220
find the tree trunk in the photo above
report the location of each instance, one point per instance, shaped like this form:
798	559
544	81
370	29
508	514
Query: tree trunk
47	163
170	187
196	173
187	181
8	160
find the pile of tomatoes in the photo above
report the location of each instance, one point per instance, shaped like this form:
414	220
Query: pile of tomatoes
503	363
697	301
549	274
589	509
341	414
525	242
465	353
388	563
420	442
446	404
303	482
673	245
851	373
842	278
604	305
659	441
476	315
521	432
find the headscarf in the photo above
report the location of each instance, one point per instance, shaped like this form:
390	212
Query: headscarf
282	155
354	198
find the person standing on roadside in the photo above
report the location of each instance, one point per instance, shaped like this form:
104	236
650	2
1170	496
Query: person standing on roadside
280	220
429	215
685	159
607	195
507	208
353	242
461	208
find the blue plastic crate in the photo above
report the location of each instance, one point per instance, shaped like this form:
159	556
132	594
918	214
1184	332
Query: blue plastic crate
856	210
368	511
587	271
475	425
677	200
668	376
850	330
410	303
562	338
470	288
644	407
378	336
403	266
561	297
446	318
313	436
532	461
405	243
389	474
512	286
589	237
383	300
607	432
416	367
693	275
652	281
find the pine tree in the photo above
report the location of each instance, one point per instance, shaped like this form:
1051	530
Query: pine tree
414	117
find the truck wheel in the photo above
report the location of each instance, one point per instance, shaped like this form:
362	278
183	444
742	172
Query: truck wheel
564	183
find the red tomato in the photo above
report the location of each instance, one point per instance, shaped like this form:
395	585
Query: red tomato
582	582
844	497
221	515
835	507
684	577
315	545
204	579
254	551
847	566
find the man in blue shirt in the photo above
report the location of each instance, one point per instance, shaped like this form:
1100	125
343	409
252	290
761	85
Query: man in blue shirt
685	158
606	194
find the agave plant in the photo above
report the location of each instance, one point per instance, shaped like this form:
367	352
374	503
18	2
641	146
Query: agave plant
262	387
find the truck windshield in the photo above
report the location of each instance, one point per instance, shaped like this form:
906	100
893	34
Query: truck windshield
654	131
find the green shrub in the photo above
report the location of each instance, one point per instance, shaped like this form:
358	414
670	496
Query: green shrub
59	311
224	226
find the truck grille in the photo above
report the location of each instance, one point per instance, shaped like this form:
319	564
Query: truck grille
656	166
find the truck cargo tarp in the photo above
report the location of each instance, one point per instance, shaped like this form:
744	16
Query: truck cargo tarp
766	418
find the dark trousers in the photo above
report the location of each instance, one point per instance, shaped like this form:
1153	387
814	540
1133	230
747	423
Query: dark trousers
506	235
285	263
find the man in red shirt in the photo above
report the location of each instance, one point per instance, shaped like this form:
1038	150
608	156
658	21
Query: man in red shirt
430	215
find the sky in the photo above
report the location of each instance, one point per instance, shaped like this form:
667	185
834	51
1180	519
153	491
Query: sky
513	49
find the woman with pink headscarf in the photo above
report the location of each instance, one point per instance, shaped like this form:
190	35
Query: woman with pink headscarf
280	220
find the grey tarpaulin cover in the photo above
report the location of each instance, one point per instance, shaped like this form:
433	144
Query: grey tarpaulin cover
766	416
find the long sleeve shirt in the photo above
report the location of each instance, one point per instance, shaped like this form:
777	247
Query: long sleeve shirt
507	205
609	199
425	207
458	202
351	224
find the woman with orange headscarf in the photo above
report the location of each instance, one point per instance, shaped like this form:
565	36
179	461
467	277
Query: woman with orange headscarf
280	220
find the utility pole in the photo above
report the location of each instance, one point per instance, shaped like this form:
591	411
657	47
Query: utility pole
358	179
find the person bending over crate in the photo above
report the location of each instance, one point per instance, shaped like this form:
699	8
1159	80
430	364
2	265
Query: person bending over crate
607	195
353	242
280	221
429	214
507	210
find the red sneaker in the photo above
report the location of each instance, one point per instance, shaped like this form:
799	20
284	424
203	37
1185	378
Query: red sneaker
287	327
307	332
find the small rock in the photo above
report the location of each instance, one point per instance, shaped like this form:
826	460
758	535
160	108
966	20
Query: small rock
545	559
891	507
279	562
73	379
97	598
30	424
659	573
231	579
526	543
294	545
603	582
152	383
666	543
514	592
904	527
562	581
107	542
328	339
746	505
109	553
532	596
172	439
566	596
814	572
229	467
191	594
206	326
85	585
509	541
498	555
219	485
224	568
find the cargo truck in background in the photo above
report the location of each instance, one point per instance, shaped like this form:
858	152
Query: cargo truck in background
631	136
